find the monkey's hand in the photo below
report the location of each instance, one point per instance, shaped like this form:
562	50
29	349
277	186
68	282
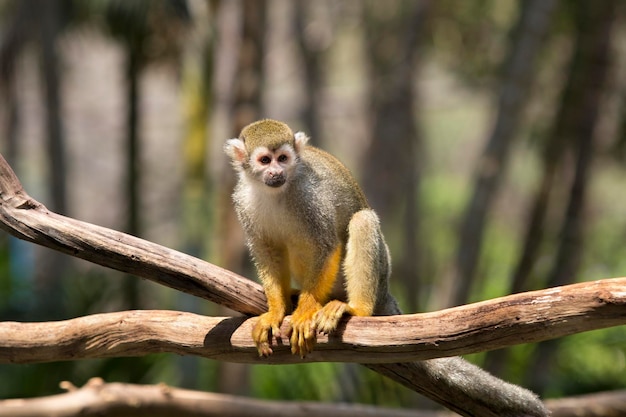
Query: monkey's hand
266	325
327	319
303	333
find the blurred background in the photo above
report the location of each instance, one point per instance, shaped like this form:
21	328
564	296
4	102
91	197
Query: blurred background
489	135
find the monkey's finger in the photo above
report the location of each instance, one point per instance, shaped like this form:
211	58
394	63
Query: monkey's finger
307	333
276	331
294	341
310	342
302	345
309	337
263	345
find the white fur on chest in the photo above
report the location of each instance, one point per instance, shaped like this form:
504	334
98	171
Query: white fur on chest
270	213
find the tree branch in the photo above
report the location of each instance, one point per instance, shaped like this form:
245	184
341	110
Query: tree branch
601	404
527	317
97	399
100	399
27	219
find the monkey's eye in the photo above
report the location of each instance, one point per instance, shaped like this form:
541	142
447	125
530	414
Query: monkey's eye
265	160
283	158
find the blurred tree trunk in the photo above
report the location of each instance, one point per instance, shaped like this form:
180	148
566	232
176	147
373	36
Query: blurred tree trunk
52	266
134	66
198	96
50	25
128	23
248	89
134	24
246	108
394	30
558	142
589	72
133	145
250	77
40	22
10	103
496	361
137	25
229	248
17	32
133	157
198	216
528	34
311	42
555	148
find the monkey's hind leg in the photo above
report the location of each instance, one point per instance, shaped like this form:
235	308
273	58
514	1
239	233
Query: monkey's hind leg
365	264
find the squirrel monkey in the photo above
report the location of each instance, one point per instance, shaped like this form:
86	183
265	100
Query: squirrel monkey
306	219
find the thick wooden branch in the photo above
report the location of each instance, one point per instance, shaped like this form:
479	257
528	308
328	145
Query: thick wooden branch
527	317
97	399
27	219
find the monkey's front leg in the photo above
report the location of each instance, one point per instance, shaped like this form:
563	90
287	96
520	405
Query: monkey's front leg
276	286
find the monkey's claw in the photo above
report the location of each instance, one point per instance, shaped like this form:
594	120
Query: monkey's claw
267	326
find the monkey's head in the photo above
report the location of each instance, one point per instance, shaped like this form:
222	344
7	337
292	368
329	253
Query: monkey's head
267	152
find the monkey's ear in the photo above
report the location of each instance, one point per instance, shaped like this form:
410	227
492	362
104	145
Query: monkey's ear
301	139
236	150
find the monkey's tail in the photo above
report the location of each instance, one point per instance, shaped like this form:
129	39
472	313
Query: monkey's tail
465	388
461	386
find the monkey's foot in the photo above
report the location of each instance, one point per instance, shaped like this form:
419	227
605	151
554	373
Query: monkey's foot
303	334
266	326
327	319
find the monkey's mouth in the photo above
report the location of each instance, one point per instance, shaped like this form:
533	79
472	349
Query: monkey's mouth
275	182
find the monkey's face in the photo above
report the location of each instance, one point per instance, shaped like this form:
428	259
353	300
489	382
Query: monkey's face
266	154
273	167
